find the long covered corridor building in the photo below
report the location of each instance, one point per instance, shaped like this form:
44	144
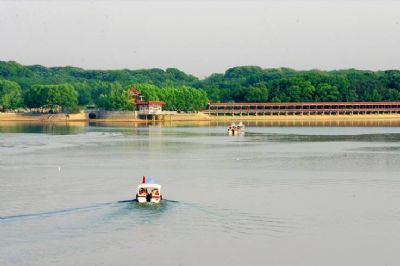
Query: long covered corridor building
304	108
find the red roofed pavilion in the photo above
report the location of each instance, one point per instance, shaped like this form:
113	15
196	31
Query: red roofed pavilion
150	107
145	107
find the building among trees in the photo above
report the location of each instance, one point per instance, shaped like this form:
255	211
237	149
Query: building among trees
145	107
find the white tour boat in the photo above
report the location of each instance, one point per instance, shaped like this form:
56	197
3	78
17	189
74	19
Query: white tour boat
147	192
234	129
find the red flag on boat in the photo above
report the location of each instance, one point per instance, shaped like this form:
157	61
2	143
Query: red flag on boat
143	180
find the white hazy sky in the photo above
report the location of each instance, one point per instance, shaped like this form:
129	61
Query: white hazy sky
202	37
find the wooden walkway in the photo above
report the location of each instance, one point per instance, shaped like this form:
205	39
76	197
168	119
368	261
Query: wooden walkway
304	108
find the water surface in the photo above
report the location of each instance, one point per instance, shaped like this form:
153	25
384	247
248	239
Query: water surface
279	195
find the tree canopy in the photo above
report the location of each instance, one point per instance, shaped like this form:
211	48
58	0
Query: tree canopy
66	87
115	97
10	95
242	84
62	96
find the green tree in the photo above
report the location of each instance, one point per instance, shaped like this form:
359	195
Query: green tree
55	97
84	91
213	93
257	93
10	95
149	92
117	98
326	93
392	95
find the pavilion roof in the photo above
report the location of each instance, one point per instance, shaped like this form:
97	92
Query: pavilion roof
150	103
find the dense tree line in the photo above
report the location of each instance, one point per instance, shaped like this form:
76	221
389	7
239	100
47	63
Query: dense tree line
254	84
27	76
66	88
54	97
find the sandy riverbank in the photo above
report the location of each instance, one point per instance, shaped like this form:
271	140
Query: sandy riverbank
42	117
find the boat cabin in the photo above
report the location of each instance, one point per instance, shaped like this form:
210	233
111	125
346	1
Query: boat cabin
149	193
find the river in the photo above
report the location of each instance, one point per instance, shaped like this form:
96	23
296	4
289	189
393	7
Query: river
278	195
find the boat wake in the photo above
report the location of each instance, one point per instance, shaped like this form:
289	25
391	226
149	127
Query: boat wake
126	217
69	210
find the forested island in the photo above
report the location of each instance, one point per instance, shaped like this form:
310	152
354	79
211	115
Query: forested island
70	89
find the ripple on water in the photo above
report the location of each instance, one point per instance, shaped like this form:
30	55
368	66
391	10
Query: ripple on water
178	219
248	223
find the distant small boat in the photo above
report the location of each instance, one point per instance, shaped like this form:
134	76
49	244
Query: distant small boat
234	129
148	192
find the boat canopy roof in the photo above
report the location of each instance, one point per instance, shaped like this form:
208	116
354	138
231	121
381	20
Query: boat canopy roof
149	186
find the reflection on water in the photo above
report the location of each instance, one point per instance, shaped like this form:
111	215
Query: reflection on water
328	123
262	123
65	128
62	128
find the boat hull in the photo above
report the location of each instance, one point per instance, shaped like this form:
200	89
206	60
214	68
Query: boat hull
235	132
143	199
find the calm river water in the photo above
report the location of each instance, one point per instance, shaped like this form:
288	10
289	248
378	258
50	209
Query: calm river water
279	195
